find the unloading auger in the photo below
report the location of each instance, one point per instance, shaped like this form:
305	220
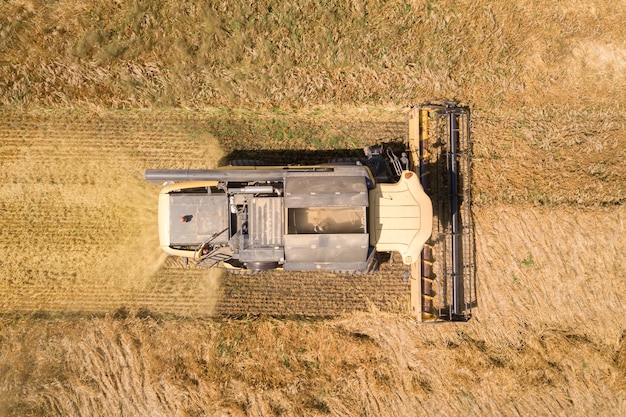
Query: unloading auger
443	281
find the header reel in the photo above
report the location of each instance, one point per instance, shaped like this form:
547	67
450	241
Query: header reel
443	284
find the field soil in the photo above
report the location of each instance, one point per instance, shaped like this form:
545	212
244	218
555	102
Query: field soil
96	320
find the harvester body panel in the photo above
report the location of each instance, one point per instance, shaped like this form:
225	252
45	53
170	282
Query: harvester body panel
303	218
400	217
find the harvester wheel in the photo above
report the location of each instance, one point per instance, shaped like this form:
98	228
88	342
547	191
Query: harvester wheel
261	266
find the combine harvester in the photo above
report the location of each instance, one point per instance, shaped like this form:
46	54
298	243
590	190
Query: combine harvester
338	216
443	283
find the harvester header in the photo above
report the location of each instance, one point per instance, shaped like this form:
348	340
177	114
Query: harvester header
438	137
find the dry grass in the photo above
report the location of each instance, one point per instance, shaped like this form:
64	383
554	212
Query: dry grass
95	322
553	155
361	365
275	54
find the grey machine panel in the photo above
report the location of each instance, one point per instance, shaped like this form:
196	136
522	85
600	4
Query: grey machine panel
328	252
207	215
266	222
265	226
326	191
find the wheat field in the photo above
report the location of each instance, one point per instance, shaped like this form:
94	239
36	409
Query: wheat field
95	320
